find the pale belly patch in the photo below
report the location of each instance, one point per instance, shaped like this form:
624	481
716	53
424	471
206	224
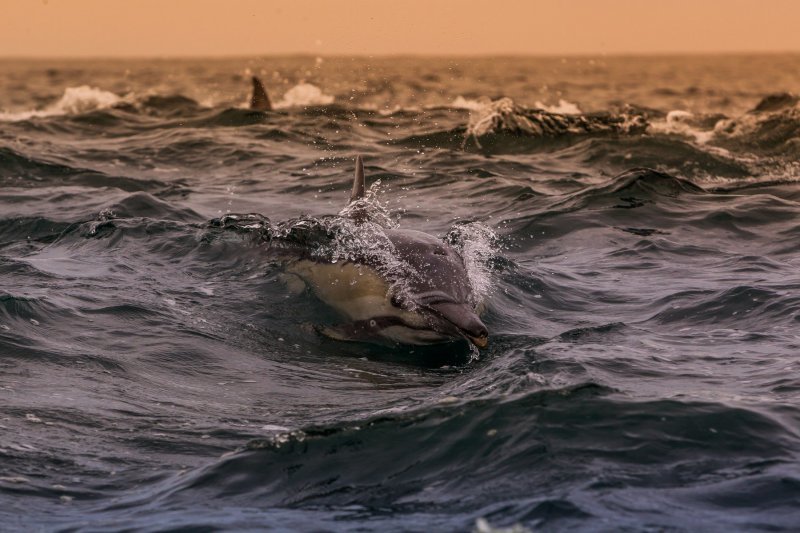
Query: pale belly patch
356	291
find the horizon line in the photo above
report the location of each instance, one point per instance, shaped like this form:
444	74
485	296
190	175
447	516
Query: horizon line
406	55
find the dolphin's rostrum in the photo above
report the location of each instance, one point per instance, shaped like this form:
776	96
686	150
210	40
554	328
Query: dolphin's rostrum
436	304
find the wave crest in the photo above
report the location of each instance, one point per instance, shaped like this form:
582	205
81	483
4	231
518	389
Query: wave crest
505	116
75	100
304	94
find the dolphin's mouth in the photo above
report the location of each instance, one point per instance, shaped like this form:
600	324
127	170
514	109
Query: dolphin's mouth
461	319
480	342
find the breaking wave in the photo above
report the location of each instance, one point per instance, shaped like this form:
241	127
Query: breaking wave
303	95
75	100
504	116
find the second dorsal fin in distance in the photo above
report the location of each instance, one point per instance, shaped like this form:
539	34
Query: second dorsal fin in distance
259	101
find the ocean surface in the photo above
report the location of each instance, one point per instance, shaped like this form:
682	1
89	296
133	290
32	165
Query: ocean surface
631	224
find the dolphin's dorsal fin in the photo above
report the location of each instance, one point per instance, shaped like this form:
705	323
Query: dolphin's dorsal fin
359	184
259	100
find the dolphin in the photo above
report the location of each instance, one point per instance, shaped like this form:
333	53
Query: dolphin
437	302
259	101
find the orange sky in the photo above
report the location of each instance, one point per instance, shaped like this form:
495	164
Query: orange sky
91	28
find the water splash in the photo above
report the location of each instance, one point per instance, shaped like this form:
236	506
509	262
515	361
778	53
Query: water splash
304	94
473	105
359	234
477	244
505	116
75	100
370	208
683	123
562	108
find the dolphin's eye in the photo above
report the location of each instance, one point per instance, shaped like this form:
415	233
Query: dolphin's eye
439	251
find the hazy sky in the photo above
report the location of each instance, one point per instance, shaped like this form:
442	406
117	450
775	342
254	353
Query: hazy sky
84	28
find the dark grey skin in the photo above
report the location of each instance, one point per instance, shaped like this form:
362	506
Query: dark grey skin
437	304
259	101
443	293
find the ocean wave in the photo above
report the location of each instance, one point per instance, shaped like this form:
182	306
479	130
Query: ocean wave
773	131
473	456
145	205
171	105
776	102
771	127
467	103
24	309
505	116
85	99
686	124
37	229
20	170
562	108
631	189
670	154
75	100
303	95
743	307
640	289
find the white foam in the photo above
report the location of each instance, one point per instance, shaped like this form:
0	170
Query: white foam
465	103
679	122
679	116
304	94
273	427
563	108
387	111
476	242
75	100
485	118
483	526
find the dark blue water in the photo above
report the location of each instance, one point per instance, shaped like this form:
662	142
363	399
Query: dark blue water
632	223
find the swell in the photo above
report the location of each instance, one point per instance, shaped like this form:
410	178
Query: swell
468	459
647	202
693	145
20	170
746	307
643	320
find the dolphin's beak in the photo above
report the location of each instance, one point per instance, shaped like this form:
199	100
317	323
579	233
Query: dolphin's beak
464	320
480	342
